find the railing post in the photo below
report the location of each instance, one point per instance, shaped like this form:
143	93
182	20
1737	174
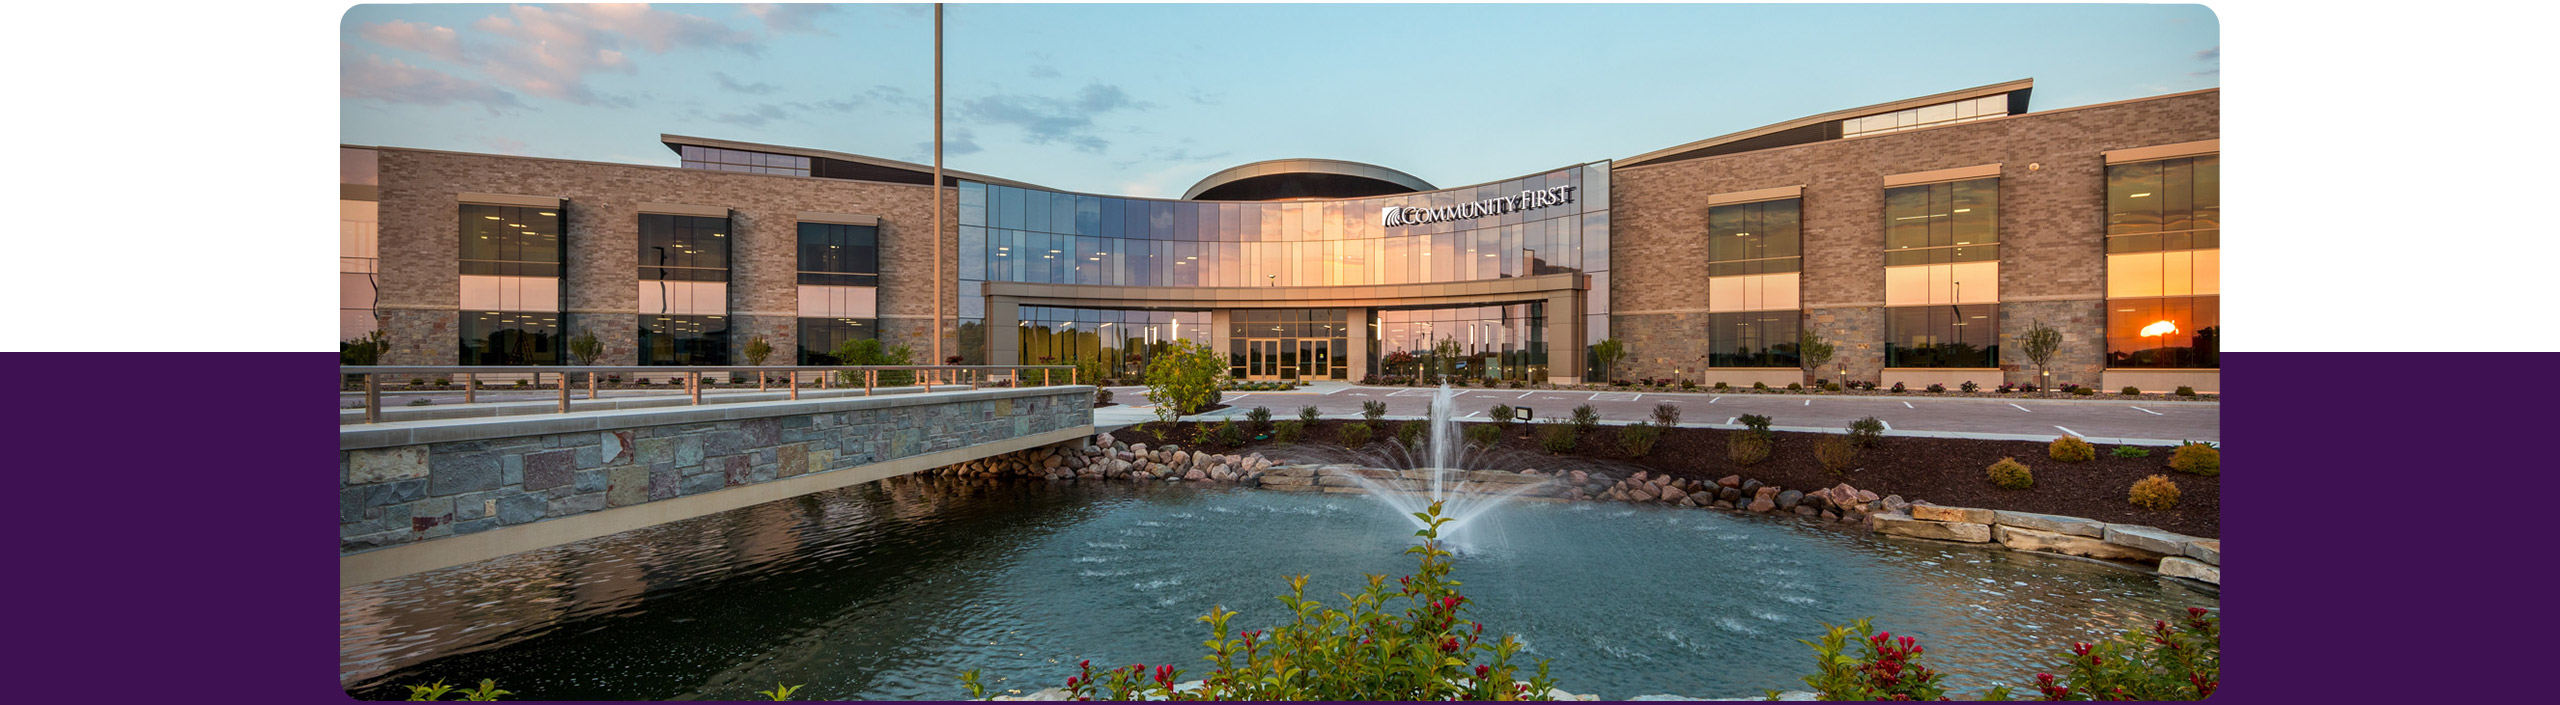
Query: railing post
564	389
1044	376
795	385
694	380
470	387
824	377
1071	376
372	398
869	377
759	380
591	385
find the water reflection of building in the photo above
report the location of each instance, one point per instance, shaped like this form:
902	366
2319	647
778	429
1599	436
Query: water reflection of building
1920	236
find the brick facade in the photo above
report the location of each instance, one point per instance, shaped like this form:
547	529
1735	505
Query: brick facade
2052	229
421	230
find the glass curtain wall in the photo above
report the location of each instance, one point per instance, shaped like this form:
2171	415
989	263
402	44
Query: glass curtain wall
1123	340
510	285
1030	235
2164	263
1942	274
1293	344
1754	257
1507	342
684	285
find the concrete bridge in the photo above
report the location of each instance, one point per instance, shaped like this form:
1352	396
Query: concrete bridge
421	495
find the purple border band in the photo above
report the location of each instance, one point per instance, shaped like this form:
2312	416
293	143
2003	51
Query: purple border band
2387	531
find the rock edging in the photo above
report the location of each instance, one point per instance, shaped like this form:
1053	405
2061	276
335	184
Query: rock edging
1104	458
2170	553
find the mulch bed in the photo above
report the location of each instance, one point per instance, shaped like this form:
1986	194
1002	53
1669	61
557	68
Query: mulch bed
1946	471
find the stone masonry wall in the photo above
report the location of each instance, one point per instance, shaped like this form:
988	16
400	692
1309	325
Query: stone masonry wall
404	494
2052	226
421	231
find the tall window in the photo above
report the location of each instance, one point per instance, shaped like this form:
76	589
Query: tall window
1754	256
839	298
684	290
510	285
2164	263
1942	274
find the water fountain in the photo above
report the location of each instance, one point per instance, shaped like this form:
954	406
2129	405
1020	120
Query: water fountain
1447	457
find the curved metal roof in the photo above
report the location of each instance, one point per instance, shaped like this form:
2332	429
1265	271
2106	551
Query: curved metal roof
1324	167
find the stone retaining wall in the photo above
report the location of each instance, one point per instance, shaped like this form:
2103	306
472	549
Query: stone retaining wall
2173	554
393	492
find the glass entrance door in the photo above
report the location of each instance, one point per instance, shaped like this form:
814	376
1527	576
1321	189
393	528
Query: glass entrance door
1262	359
1315	359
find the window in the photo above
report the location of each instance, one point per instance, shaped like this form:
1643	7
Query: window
743	161
510	289
2164	263
1756	339
684	285
1494	342
2172	332
839	255
684	340
1754	238
1968	110
1956	221
1942	336
819	337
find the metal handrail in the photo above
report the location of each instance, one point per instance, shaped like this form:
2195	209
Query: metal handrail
927	375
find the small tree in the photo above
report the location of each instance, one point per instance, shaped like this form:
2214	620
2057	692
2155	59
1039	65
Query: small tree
1444	358
1608	353
757	352
1812	352
866	351
1184	379
2039	344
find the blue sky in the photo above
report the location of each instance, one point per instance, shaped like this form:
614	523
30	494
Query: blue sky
1146	99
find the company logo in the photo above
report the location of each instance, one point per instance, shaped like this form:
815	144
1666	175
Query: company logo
1393	216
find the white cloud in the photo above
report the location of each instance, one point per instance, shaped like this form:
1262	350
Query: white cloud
391	81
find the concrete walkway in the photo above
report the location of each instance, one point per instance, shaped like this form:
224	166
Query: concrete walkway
2147	421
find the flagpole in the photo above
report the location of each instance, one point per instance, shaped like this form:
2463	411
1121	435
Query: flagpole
937	184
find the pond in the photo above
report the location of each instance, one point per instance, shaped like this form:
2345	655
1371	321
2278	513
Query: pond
889	590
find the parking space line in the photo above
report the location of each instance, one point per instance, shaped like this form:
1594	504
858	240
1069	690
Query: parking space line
1907	405
1470	415
1888	425
1730	419
1717	399
2072	432
1808	402
2014	406
2147	411
1524	395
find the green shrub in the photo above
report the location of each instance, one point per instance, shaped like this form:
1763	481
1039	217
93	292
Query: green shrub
1402	640
2155	492
1836	453
1795	386
1886	669
872	352
1637	438
2130	391
1503	414
1969	387
2085	391
442	381
2010	474
1228	433
2196	459
1410	433
1354	435
1483	434
1760	386
1720	386
1101	396
1259	417
1559	437
523	382
1935	388
1666	415
1831	387
488	691
1183	379
1309	414
1747	448
2132	452
2071	449
2186	391
1373	410
1688	384
1585	418
1758	424
1288	431
1867	432
421	401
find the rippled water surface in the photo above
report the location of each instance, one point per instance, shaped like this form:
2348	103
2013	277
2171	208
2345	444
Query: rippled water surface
889	590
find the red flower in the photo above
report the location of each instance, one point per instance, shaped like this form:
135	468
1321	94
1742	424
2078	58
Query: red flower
1483	671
